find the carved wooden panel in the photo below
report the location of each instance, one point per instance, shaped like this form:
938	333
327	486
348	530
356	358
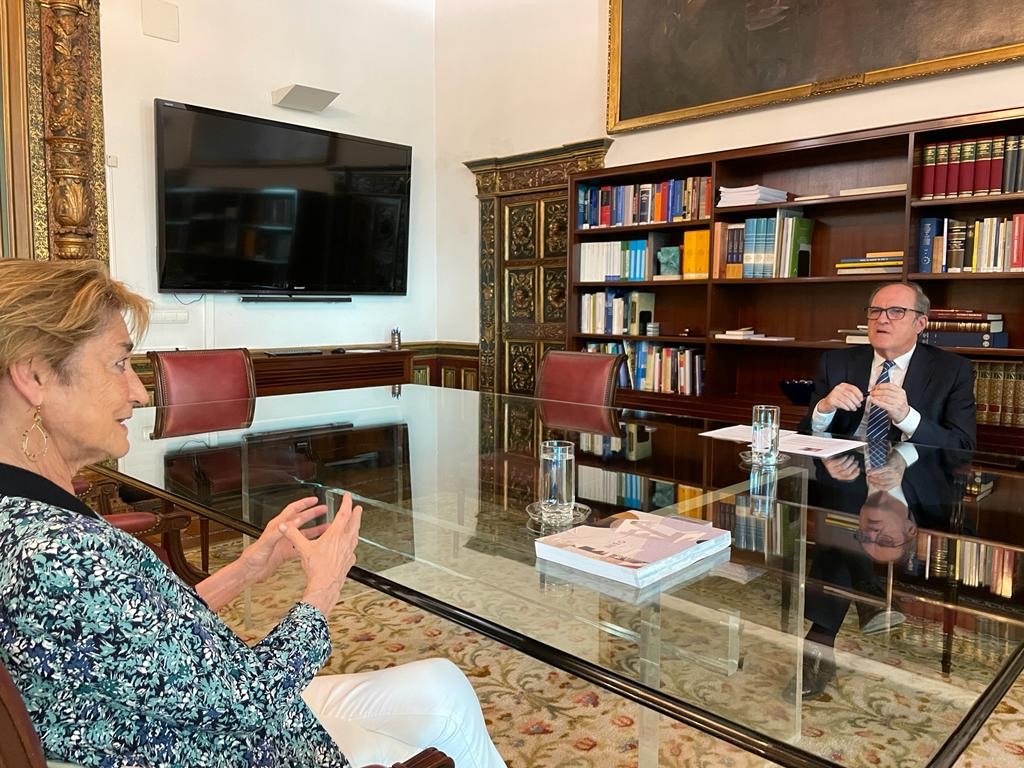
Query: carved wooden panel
521	366
521	231
520	294
553	305
520	428
488	296
555	228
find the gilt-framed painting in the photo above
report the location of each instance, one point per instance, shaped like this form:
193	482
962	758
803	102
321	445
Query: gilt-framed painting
672	60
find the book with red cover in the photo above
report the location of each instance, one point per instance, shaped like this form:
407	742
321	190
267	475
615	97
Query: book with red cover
967	156
995	177
941	169
982	166
953	169
605	218
928	172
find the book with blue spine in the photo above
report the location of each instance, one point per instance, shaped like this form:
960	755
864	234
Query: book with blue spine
927	229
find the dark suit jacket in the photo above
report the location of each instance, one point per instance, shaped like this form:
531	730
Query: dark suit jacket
939	386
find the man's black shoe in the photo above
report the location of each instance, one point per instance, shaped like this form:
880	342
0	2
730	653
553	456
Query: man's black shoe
818	671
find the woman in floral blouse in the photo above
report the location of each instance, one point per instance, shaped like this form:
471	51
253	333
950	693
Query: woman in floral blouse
121	664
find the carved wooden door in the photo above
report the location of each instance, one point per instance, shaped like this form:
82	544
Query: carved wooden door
532	277
523	242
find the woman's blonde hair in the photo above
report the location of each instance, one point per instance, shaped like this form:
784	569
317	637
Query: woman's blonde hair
48	308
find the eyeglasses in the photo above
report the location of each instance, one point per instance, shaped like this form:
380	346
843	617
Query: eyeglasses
893	313
881	540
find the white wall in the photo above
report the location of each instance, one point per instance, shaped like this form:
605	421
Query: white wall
532	74
379	54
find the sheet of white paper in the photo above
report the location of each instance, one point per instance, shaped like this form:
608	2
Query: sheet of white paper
811	445
739	433
789	441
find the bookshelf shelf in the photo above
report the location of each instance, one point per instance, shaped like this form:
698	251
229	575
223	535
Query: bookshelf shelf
652	227
945	202
824	202
921	276
815	305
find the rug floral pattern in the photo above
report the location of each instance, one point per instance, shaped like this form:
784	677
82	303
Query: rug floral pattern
540	716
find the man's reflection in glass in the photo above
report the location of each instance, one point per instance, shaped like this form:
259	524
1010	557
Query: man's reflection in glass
892	490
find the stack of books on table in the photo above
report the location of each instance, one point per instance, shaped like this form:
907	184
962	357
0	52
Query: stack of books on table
965	328
753	194
636	548
872	263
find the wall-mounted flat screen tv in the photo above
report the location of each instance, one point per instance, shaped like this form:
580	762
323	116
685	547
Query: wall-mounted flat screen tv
253	206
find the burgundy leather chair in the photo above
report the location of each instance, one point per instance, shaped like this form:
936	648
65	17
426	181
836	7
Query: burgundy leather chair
20	747
577	390
159	528
202	390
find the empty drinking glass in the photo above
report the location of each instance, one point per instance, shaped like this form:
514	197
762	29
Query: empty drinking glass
557	481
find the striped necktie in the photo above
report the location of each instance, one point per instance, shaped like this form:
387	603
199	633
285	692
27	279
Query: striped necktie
878	420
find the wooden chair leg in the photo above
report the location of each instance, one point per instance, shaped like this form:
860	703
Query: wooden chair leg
204	543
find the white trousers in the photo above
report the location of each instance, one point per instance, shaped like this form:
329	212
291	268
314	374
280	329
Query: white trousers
389	715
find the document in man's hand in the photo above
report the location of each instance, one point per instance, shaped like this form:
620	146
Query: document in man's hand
637	548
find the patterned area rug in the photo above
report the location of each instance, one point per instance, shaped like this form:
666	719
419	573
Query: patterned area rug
540	716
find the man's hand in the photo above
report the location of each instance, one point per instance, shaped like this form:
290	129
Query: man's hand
844	468
844	397
889	475
891	399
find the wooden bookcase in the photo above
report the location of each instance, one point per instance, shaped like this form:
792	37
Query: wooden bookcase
739	373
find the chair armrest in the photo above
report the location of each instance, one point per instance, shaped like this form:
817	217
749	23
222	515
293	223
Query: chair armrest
428	758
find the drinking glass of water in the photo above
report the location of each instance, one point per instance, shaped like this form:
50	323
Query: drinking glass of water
557	481
764	443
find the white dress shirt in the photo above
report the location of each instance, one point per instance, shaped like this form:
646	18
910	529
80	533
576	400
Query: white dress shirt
820	422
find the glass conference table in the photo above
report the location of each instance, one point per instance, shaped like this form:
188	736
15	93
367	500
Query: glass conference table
445	477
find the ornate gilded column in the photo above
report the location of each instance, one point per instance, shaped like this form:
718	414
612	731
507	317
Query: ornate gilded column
65	127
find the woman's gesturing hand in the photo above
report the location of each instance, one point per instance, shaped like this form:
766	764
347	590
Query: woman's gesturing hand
327	559
272	548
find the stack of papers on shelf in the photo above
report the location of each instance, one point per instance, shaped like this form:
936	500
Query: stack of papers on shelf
753	194
858	335
636	548
749	333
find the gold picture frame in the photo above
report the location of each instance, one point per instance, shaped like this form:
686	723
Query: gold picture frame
696	58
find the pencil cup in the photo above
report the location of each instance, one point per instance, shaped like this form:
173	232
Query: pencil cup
396	339
557	481
764	443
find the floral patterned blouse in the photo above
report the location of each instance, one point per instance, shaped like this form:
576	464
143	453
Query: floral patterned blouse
121	664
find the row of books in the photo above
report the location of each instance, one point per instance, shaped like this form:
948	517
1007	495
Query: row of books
687	199
614	260
972	563
971	167
999	392
778	246
635	443
990	244
654	367
616	312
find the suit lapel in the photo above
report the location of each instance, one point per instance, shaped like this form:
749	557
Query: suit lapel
919	373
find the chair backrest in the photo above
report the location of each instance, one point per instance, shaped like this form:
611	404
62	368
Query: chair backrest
588	378
19	744
202	390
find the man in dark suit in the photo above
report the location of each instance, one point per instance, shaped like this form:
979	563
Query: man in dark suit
896	388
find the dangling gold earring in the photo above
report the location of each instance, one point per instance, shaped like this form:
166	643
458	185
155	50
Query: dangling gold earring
35	426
